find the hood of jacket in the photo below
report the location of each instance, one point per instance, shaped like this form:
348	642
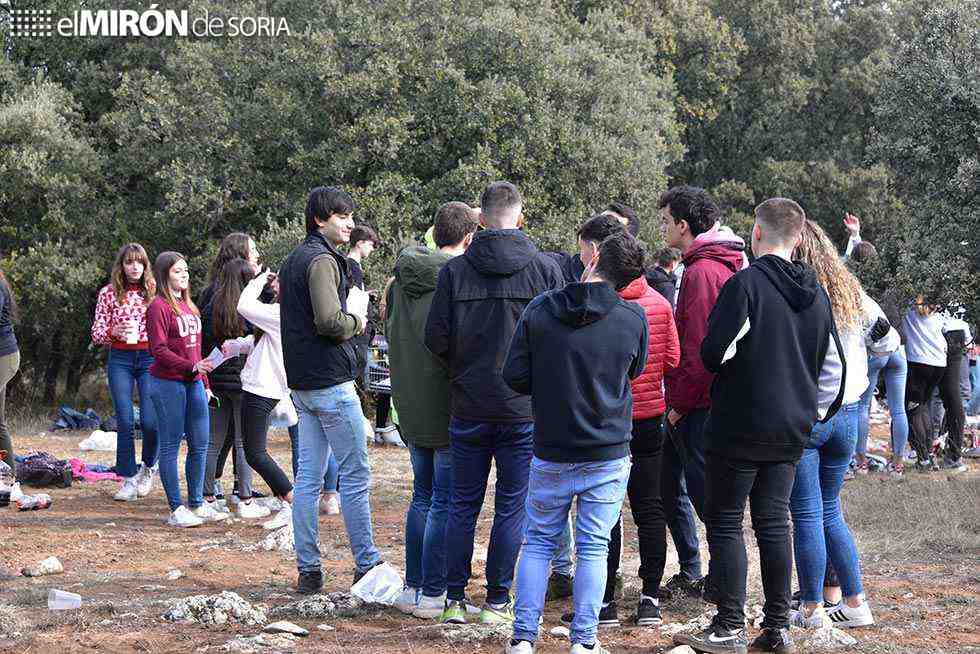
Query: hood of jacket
417	269
718	244
636	289
795	281
500	251
581	304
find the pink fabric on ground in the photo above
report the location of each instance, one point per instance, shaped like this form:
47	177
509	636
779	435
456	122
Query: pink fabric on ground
79	471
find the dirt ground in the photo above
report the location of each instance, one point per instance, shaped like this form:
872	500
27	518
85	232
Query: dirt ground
919	538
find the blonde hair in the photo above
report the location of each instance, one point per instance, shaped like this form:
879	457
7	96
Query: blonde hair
817	250
127	253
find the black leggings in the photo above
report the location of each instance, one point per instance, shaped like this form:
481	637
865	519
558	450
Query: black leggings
949	392
922	382
646	448
255	429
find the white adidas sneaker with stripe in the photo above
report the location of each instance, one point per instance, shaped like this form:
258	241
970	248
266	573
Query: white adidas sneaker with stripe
843	616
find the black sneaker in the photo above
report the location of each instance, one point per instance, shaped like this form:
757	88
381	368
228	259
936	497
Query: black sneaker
715	640
774	640
310	582
954	466
559	587
680	584
358	575
608	617
797	601
926	465
648	613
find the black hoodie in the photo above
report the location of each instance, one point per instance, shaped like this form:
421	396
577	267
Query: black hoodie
478	300
575	351
768	335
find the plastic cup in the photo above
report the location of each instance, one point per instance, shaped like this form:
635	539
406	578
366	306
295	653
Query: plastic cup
62	600
132	333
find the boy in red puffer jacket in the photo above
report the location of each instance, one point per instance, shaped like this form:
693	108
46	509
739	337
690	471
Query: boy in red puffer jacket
646	446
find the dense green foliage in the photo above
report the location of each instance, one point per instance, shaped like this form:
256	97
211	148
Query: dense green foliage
870	107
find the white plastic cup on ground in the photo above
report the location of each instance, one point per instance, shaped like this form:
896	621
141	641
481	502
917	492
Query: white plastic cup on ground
62	600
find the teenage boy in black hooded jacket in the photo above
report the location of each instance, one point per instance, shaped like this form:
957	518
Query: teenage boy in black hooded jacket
771	338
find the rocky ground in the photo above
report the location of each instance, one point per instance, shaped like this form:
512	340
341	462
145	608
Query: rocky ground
919	538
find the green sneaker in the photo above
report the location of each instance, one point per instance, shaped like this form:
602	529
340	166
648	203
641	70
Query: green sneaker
503	615
454	613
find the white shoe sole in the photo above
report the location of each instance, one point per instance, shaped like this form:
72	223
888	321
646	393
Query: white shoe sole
116	498
864	621
427	614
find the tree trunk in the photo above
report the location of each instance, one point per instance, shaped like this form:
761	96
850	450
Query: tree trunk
56	358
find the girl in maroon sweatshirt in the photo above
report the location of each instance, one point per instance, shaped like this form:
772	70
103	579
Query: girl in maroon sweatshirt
179	385
120	323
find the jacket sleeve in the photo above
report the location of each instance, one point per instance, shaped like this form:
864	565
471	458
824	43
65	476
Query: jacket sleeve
157	319
329	318
728	323
517	366
672	356
262	315
690	380
439	321
640	360
102	324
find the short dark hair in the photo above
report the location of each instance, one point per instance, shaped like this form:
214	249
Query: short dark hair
620	259
668	256
599	227
782	218
693	204
323	202
363	233
627	212
454	222
497	198
864	252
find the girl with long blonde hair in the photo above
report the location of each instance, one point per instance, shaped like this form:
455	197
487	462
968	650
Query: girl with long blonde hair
120	324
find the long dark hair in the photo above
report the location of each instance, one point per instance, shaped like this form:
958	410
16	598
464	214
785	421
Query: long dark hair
10	293
161	273
233	246
224	305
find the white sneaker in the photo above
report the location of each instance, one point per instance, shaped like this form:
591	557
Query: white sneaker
408	600
128	491
330	504
389	436
144	481
16	493
252	509
522	647
579	648
283	518
844	617
816	620
209	514
184	517
216	505
430	608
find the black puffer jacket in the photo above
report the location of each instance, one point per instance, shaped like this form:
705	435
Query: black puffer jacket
226	379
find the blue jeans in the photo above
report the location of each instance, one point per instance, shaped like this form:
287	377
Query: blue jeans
182	411
896	370
331	479
682	487
474	445
974	408
330	420
128	368
425	523
819	529
600	487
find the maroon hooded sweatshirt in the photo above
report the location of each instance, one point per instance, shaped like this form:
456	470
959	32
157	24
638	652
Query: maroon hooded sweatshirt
711	260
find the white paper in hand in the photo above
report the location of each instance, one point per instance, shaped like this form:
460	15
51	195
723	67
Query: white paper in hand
216	357
357	302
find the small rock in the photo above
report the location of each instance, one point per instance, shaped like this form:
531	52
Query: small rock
681	649
332	605
49	566
829	638
908	595
560	632
110	524
106	623
283	627
261	643
214	609
151	588
325	627
174	575
465	634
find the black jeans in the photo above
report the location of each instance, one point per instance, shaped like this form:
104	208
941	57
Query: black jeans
255	431
643	491
767	486
922	382
949	393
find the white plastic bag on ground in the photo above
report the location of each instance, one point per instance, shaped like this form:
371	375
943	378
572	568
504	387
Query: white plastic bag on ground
99	441
381	585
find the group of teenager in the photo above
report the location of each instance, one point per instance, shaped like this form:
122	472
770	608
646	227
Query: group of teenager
580	378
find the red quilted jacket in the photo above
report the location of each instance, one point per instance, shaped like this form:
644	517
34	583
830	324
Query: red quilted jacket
664	353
